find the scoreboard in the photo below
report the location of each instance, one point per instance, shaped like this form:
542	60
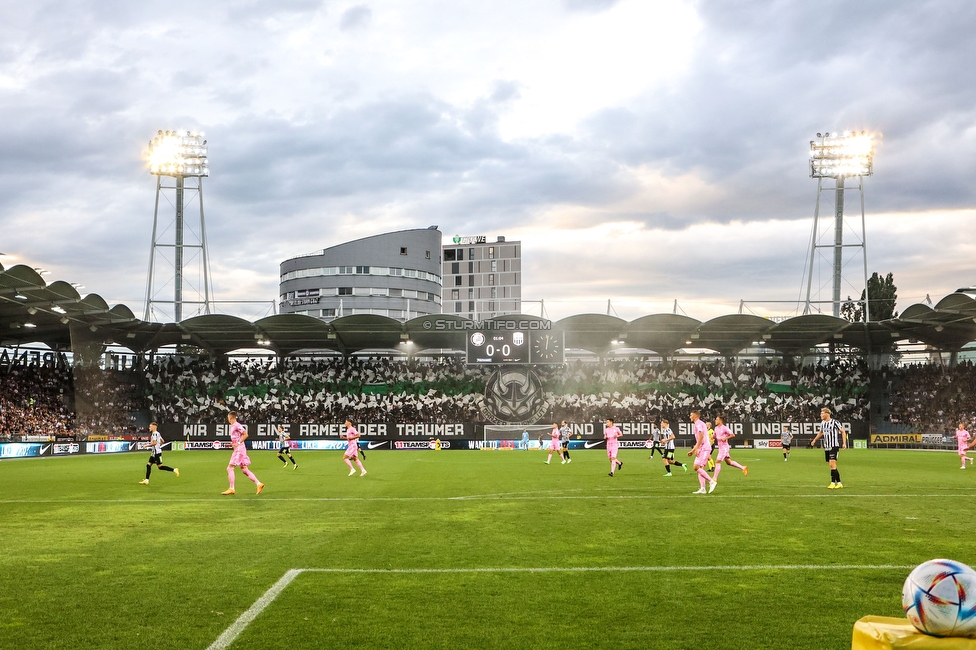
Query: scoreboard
485	347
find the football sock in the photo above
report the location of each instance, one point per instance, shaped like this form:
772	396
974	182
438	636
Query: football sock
282	458
679	464
735	464
148	471
348	462
667	468
230	476
784	454
247	473
165	468
360	465
718	470
834	476
292	459
701	479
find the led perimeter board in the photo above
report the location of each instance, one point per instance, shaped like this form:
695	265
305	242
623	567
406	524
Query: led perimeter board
514	347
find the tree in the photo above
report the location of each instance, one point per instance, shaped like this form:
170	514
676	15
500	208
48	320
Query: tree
883	294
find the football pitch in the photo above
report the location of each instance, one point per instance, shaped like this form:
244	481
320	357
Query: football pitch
472	549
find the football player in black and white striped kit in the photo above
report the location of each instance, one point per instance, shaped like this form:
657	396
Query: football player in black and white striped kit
667	438
834	439
284	447
156	454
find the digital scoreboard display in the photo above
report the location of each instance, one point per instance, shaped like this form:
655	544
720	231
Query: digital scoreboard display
514	347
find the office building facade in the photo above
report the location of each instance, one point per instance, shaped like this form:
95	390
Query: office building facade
482	279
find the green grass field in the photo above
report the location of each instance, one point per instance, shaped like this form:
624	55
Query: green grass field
91	559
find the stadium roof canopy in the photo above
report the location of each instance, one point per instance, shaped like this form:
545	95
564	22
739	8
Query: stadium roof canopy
32	311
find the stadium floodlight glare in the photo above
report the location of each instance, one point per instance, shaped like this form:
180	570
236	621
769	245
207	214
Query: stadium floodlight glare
178	153
842	155
839	156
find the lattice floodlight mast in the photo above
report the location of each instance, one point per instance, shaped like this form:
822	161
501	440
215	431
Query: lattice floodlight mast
180	155
839	157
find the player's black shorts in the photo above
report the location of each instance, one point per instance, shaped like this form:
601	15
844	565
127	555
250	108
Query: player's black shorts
786	446
669	454
831	454
285	449
156	459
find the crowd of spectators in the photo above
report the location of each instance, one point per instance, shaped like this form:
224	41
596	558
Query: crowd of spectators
44	400
33	402
934	397
445	390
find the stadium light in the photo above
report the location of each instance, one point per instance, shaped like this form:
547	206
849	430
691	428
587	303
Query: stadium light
839	156
842	155
181	155
178	153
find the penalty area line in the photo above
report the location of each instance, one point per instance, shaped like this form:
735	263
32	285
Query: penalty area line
231	633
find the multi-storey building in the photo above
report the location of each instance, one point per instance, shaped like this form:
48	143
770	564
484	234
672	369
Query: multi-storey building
482	279
395	274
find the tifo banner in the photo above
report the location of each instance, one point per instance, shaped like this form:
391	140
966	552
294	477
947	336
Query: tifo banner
23	449
896	439
296	431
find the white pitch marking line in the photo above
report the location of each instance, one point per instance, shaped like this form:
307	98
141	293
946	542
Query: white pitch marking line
231	633
488	497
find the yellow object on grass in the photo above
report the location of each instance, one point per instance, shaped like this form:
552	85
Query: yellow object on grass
887	633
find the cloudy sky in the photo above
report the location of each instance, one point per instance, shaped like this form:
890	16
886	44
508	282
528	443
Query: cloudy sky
642	151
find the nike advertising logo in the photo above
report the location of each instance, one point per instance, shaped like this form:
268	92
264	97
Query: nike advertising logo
590	445
44	450
374	445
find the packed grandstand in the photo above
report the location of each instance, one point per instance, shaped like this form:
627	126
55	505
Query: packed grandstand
57	400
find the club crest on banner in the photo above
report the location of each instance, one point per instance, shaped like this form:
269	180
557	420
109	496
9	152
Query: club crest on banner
514	395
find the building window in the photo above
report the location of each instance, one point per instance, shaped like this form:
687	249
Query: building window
471	305
494	266
471	267
470	293
329	313
494	292
455	268
491	278
427	254
344	291
504	292
396	293
455	294
450	255
470	280
403	250
504	265
362	270
457	280
470	254
491	252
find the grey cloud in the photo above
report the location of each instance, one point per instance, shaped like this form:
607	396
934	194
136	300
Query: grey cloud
592	6
354	18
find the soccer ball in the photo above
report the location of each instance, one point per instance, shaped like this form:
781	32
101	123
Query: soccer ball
939	598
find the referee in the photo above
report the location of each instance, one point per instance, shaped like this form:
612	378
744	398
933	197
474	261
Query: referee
834	439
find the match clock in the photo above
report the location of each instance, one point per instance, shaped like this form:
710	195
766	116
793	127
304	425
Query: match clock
547	347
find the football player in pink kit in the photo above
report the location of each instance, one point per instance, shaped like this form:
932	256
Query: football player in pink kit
962	439
702	451
239	458
611	435
722	435
554	443
352	450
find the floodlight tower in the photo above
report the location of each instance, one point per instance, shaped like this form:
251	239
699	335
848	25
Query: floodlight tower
839	157
179	155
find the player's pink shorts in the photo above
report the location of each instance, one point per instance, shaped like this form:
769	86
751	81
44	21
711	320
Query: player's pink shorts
962	450
239	458
703	455
612	449
723	453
